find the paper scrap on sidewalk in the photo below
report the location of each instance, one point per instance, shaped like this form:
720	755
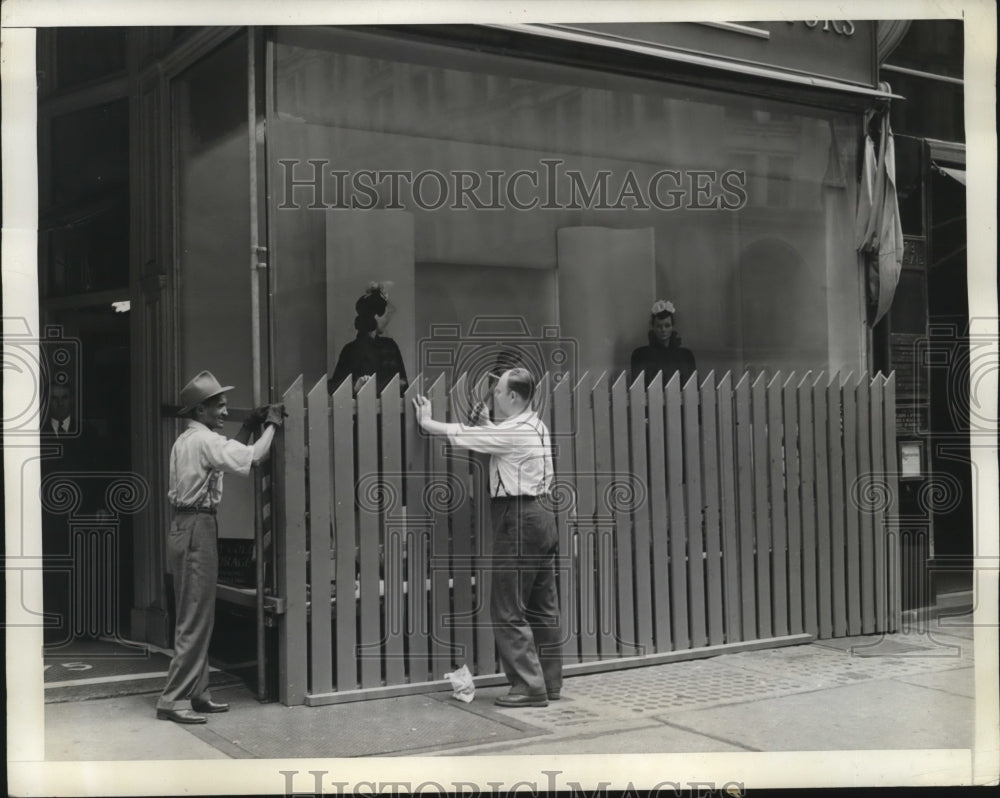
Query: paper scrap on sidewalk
461	684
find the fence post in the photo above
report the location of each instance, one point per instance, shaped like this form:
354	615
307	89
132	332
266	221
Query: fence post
762	516
744	483
624	527
793	485
345	536
320	649
779	533
838	583
893	581
391	496
807	470
638	446
583	521
710	485
678	528
853	548
290	550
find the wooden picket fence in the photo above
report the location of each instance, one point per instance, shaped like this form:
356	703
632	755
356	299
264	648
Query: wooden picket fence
693	520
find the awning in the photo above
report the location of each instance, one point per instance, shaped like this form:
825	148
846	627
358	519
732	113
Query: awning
954	174
569	33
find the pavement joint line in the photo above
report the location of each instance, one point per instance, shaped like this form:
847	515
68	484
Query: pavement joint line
503	745
486	713
944	690
219	742
716	737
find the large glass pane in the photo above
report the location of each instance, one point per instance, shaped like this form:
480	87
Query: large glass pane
89	153
89	250
213	239
739	210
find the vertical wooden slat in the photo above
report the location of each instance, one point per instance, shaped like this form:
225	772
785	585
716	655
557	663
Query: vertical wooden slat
744	486
485	652
638	467
370	639
728	510
586	557
440	555
710	501
659	525
545	407
345	536
792	488
624	491
762	514
695	514
320	622
461	536
779	534
838	574
862	497
417	540
852	547
893	586
680	633
393	603
607	599
291	551
823	566
807	464
486	659
878	516
562	492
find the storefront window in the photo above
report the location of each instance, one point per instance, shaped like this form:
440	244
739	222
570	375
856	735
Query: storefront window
555	196
213	240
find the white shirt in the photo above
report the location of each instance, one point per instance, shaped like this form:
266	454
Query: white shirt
198	459
521	461
60	426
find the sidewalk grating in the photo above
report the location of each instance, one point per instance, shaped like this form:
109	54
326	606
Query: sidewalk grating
683	685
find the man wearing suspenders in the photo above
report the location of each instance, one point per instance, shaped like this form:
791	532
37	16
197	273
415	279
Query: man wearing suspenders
524	603
198	459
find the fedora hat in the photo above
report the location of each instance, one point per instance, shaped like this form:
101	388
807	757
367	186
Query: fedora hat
202	387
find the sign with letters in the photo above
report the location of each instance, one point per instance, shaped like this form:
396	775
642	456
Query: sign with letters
841	50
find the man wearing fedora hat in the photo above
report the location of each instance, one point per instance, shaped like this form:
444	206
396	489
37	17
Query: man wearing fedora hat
199	458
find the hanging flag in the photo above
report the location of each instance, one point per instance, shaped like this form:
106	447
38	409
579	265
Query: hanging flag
877	229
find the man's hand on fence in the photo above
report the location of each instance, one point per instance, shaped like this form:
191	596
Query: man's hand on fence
275	414
255	419
422	406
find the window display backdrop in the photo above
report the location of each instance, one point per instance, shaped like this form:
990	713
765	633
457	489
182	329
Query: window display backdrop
751	202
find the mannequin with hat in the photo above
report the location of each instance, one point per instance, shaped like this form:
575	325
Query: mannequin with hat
199	458
664	353
370	354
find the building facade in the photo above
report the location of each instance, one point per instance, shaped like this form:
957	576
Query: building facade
219	198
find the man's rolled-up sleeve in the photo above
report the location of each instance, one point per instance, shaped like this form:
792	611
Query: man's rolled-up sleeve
228	455
489	439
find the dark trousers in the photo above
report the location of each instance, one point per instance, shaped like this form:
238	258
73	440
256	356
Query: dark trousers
193	559
524	602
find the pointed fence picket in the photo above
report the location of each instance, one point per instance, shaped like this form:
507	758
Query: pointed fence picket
692	519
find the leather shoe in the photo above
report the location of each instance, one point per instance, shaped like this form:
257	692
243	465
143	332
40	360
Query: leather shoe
209	706
180	716
554	695
520	700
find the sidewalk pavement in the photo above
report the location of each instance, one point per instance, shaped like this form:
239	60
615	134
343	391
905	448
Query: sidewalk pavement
910	690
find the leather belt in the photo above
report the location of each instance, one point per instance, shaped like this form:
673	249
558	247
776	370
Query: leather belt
208	510
522	498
